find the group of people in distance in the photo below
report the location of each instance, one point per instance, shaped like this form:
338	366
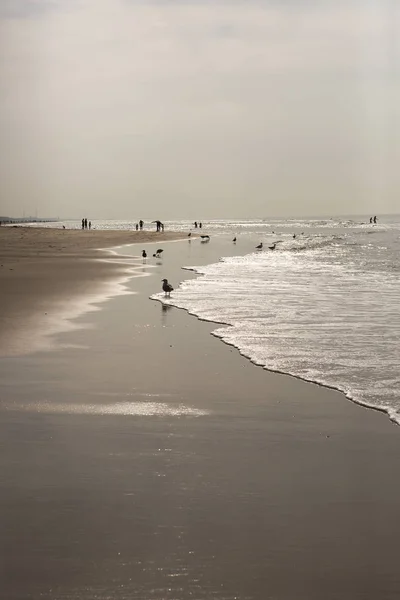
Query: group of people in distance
86	224
140	225
159	226
372	219
198	225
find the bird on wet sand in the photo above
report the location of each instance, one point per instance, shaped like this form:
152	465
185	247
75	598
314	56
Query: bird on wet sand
259	247
158	253
144	254
234	240
167	287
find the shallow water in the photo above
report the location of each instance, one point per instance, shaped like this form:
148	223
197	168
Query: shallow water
322	307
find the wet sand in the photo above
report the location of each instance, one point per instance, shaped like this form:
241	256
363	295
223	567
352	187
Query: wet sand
44	268
148	460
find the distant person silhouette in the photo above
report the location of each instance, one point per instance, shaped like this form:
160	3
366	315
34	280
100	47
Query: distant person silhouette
136	226
371	219
90	224
195	224
162	227
83	223
141	224
200	225
374	219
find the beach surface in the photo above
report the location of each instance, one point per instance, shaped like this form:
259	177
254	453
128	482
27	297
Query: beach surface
44	271
142	458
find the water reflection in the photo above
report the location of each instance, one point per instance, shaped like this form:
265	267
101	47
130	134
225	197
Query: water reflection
140	409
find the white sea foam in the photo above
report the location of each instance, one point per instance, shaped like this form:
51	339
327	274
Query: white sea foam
322	307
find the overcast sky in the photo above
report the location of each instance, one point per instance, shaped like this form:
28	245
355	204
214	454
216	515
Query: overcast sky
199	108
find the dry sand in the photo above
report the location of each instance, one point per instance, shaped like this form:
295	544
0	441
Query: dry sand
153	462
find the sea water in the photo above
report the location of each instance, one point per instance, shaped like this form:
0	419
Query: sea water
323	306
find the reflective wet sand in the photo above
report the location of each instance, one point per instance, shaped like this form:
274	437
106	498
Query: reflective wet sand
145	459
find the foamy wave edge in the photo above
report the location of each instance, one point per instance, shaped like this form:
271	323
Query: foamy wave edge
392	414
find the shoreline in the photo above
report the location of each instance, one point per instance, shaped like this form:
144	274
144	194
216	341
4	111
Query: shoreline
48	277
145	459
347	396
392	415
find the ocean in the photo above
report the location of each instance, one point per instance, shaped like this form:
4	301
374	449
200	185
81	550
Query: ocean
322	307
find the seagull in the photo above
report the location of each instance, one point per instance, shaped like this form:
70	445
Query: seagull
158	253
274	244
167	287
189	234
205	237
259	247
144	254
234	240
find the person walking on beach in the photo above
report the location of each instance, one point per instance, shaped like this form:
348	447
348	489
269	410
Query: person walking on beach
195	224
141	224
137	227
200	224
375	220
90	224
83	223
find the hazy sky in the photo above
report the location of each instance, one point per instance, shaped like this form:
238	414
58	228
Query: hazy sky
199	108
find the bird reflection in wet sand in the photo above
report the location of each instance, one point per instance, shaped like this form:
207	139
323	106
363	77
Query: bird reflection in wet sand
165	308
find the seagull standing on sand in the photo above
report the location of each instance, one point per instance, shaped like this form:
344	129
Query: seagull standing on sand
167	287
259	247
144	255
158	253
234	240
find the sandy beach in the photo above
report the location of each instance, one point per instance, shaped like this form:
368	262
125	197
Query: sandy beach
44	267
142	458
